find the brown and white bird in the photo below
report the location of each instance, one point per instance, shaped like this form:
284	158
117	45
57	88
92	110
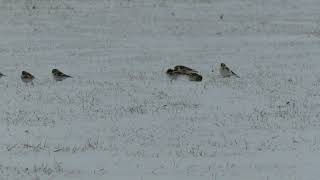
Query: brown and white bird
174	74
27	77
226	72
58	75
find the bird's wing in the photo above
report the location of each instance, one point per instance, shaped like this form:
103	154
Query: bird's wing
59	73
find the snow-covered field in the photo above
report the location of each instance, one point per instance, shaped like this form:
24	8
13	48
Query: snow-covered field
121	117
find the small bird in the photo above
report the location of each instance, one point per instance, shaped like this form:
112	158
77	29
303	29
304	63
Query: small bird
194	77
184	69
58	75
27	77
191	75
226	72
1	75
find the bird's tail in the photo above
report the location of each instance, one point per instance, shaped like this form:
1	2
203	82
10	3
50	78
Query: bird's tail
235	74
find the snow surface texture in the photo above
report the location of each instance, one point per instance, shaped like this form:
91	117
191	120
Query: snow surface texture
120	116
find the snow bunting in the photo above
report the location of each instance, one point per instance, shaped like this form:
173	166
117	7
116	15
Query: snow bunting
58	75
27	77
184	69
191	74
226	72
194	77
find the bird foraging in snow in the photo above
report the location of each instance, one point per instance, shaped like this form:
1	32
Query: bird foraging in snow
184	71
27	77
58	75
226	72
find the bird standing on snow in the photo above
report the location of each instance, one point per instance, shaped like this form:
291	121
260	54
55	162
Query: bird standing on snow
58	75
185	71
226	72
27	77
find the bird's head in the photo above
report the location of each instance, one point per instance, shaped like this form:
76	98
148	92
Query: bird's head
170	71
55	71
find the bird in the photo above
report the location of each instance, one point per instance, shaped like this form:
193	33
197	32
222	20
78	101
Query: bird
184	69
1	75
194	77
226	72
27	77
58	75
190	74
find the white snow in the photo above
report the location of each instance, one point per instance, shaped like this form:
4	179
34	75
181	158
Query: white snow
120	116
